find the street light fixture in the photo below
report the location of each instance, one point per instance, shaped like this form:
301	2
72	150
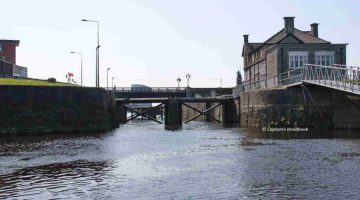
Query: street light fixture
107	78
188	76
97	51
178	80
81	64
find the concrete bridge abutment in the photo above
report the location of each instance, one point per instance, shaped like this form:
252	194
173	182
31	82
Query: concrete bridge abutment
173	114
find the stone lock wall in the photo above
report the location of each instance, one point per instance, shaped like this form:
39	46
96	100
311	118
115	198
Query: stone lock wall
288	108
37	109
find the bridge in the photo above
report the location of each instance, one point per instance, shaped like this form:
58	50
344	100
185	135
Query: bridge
337	77
169	92
173	109
170	101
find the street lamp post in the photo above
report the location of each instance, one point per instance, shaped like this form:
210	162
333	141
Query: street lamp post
97	51
81	64
188	76
107	78
178	80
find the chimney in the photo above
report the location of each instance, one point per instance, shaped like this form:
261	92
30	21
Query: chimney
315	29
289	24
246	39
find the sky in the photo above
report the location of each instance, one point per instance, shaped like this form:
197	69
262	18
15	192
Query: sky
153	42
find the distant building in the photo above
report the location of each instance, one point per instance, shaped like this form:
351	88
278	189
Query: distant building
288	49
8	50
8	67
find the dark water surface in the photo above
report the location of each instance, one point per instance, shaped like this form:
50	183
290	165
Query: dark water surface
202	161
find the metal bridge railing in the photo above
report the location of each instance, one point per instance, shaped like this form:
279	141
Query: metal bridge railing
148	89
286	78
337	76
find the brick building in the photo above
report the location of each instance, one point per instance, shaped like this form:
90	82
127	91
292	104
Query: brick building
8	50
8	67
288	49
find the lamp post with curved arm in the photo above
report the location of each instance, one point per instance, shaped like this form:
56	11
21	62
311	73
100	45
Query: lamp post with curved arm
81	64
97	50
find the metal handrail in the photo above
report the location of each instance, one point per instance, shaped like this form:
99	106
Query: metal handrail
148	89
343	78
337	76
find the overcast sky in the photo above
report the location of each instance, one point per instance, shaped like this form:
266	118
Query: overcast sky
155	41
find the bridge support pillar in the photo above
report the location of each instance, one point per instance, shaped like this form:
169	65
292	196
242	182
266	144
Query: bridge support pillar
173	115
122	114
229	112
207	106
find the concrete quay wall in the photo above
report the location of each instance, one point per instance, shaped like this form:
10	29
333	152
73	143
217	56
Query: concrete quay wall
324	108
43	109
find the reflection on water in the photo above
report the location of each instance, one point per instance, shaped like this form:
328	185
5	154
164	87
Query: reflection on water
202	161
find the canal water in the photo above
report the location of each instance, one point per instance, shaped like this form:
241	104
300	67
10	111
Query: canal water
203	161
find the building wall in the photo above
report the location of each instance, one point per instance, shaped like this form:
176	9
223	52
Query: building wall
277	60
272	66
8	51
283	62
6	69
19	71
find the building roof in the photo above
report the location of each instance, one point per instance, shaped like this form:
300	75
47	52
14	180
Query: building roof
304	37
17	42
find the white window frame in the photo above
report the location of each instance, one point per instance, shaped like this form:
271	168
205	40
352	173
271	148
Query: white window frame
298	59
325	58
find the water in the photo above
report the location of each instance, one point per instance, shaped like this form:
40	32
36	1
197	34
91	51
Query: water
202	161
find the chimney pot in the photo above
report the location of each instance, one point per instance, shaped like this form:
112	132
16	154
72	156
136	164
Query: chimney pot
289	24
246	39
315	29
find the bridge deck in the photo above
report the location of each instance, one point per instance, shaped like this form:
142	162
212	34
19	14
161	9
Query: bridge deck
345	87
163	100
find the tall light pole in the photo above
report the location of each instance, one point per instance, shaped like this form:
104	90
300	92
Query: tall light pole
107	78
178	80
97	51
188	76
81	64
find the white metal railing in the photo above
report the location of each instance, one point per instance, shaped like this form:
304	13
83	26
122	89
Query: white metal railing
286	78
148	89
337	76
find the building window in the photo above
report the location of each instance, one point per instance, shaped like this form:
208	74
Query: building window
297	59
0	47
325	58
253	58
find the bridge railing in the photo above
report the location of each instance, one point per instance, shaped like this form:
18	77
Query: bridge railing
339	76
286	78
336	76
148	89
